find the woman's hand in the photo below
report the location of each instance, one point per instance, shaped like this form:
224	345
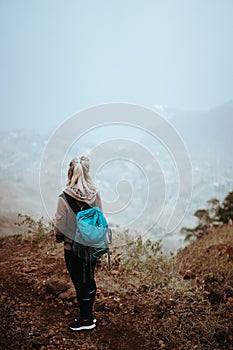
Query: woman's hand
59	237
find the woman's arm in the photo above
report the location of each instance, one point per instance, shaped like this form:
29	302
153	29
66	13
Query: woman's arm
60	220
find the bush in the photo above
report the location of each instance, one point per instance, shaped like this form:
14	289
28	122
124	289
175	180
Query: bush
34	229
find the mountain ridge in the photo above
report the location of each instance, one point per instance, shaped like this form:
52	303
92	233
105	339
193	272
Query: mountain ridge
21	151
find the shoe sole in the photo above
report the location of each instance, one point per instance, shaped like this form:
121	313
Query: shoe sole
83	327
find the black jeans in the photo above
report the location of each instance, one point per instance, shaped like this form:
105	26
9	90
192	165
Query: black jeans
82	276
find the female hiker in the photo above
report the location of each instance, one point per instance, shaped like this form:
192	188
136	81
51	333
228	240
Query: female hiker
81	192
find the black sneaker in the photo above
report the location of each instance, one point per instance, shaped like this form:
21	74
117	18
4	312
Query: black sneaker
78	318
82	324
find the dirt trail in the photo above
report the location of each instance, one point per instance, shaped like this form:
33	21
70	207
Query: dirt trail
182	308
38	302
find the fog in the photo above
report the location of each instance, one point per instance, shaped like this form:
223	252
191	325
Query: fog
172	57
58	58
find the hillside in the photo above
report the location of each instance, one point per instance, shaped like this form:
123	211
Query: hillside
146	301
212	128
21	152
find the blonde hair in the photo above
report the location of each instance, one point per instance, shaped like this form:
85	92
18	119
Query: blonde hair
79	178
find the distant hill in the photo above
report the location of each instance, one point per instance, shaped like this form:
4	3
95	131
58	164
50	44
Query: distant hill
20	152
205	133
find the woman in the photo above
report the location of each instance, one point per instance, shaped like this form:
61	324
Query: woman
81	190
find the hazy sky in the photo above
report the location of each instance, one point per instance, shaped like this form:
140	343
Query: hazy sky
58	57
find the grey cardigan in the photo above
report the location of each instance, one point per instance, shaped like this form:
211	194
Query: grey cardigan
65	218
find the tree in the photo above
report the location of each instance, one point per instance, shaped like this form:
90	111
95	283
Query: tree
213	214
213	207
225	211
203	216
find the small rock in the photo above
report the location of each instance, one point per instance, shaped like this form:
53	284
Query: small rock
40	341
229	301
26	269
161	344
216	292
51	333
55	286
201	307
188	274
136	309
68	295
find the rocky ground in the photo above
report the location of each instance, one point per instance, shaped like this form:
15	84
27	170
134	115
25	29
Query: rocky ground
185	302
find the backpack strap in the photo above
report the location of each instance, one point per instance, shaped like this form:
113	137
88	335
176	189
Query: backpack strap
74	204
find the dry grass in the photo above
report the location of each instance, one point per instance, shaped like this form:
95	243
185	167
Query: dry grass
147	301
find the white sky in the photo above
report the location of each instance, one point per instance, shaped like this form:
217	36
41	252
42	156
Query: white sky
58	57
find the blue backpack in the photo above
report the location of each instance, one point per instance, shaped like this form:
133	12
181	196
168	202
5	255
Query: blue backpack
92	228
93	236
